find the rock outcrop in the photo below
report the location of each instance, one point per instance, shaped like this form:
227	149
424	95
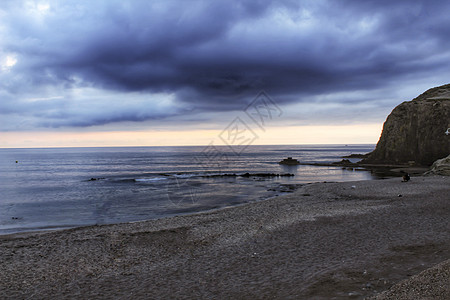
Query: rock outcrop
440	167
416	132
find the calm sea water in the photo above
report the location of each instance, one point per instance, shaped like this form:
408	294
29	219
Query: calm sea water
51	188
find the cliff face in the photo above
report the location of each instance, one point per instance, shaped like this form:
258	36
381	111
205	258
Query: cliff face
415	131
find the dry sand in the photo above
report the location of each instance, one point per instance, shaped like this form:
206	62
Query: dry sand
325	241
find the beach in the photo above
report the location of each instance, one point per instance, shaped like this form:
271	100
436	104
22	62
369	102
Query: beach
323	241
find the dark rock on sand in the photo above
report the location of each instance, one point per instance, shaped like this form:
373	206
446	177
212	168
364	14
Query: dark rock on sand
285	188
415	131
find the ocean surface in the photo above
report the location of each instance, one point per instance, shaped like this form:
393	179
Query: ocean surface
54	188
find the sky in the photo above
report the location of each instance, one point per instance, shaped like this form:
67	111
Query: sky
154	73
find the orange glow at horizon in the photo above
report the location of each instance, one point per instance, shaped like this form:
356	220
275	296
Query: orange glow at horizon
345	134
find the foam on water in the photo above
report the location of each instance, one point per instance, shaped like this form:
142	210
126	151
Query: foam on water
149	179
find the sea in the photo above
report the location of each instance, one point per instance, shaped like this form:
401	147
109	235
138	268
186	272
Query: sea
57	188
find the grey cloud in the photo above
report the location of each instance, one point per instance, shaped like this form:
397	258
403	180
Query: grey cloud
214	55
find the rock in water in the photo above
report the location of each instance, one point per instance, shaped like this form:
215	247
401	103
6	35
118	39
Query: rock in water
440	167
414	132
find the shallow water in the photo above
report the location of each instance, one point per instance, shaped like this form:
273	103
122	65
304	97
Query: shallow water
51	188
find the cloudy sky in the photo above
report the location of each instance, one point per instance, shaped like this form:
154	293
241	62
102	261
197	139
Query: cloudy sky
97	73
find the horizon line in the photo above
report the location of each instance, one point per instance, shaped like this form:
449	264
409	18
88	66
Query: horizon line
148	146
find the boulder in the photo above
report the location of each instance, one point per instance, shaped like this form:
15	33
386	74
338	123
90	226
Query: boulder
416	132
440	167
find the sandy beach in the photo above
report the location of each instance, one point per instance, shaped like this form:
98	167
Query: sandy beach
385	239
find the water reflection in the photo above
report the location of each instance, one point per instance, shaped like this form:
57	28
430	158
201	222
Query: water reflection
290	169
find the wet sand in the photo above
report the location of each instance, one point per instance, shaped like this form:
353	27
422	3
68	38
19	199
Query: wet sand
324	241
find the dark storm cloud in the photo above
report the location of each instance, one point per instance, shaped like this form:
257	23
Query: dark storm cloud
209	55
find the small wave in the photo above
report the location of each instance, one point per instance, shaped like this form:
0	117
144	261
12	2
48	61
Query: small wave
180	175
149	179
184	175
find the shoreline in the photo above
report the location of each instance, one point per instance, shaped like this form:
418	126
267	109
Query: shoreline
212	210
63	227
350	239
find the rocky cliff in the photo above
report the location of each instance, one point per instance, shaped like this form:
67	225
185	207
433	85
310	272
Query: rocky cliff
416	131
